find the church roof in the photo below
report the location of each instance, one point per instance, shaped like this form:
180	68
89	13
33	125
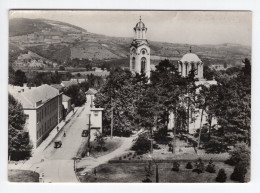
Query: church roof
190	57
140	24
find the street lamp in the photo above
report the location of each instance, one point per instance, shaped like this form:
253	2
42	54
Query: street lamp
156	169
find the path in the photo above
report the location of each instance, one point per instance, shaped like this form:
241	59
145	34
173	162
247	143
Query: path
89	163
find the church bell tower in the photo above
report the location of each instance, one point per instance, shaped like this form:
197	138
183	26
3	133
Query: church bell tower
140	51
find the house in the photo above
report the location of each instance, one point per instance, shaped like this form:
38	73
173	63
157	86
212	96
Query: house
96	120
66	101
68	83
58	87
43	109
90	96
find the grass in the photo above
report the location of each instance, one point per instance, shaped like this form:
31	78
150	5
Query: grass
134	172
110	145
22	176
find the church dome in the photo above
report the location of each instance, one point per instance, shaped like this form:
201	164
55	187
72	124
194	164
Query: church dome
140	24
190	57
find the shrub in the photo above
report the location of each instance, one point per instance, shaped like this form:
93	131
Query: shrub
222	176
189	165
147	180
142	145
199	166
240	153
175	166
239	172
211	167
215	146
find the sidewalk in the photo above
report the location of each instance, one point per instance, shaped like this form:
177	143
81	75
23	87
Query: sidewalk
53	134
37	155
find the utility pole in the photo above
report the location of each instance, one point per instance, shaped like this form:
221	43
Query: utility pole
174	131
112	121
157	173
89	134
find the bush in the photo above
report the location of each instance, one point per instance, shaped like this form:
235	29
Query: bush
239	172
175	166
240	153
222	176
189	165
215	146
142	145
211	167
199	166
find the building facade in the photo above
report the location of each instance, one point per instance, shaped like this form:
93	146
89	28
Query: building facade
43	109
140	51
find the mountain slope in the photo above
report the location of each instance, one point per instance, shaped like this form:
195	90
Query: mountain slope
61	42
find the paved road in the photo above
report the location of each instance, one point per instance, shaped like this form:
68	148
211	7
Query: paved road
58	164
73	139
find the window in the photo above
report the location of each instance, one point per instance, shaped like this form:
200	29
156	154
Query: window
37	117
143	65
133	63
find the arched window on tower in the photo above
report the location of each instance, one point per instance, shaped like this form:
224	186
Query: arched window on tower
133	63
143	65
186	69
180	68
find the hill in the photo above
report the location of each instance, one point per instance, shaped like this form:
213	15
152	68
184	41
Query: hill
61	42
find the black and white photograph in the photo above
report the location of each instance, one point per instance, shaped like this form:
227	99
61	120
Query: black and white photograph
129	96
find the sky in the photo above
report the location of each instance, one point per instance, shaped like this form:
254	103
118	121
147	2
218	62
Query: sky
189	27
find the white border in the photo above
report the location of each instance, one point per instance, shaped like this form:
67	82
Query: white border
254	5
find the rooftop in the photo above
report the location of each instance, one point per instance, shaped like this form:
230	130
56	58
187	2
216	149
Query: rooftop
91	91
68	83
34	97
65	98
190	57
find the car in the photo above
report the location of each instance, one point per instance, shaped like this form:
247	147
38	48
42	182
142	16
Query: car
84	133
57	143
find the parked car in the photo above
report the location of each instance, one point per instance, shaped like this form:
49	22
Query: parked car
57	143
84	133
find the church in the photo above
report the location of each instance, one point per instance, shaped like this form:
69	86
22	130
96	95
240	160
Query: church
140	63
140	56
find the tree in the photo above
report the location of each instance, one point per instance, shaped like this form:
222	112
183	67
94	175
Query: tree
61	68
117	97
222	176
241	153
239	172
20	78
76	94
100	141
19	146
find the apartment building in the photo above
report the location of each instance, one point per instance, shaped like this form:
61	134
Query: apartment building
43	109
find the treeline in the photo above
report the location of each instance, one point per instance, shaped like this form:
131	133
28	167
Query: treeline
132	103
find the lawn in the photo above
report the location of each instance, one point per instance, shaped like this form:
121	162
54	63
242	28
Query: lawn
22	176
135	172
